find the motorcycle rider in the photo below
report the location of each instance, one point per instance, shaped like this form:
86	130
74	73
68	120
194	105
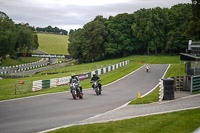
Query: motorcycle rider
77	79
147	67
96	78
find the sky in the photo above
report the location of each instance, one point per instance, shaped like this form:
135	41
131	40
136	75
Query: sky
74	14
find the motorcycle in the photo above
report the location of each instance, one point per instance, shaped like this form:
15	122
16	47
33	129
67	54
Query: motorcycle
75	90
96	87
147	68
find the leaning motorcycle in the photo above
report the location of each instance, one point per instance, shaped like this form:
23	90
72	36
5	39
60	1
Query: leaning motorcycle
96	87
75	90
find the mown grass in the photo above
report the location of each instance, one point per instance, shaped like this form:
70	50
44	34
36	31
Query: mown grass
21	60
152	97
53	44
176	122
7	86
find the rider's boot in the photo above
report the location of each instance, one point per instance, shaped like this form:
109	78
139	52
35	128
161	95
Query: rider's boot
100	88
81	89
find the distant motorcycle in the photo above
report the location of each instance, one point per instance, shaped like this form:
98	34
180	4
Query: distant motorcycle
75	90
96	87
147	68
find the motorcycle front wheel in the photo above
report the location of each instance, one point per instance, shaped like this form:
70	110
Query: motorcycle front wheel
74	95
97	91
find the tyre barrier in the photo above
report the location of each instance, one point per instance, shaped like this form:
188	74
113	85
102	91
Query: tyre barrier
168	89
168	81
161	93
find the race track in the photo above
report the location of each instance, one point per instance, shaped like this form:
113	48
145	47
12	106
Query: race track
40	113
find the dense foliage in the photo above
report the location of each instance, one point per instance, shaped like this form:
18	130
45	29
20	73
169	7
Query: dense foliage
50	29
194	25
146	31
15	37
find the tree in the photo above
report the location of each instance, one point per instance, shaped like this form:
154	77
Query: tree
158	30
25	39
119	40
76	38
54	30
193	29
8	36
142	28
146	31
87	44
36	44
178	21
95	34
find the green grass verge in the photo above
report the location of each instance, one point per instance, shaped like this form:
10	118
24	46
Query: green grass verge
152	97
7	86
53	44
21	60
176	122
175	69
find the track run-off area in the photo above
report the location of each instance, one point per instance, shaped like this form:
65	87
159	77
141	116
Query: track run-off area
43	112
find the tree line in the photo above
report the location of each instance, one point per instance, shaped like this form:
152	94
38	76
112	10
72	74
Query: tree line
50	29
15	38
146	31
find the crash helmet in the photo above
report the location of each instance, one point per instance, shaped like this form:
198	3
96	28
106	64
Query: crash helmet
73	75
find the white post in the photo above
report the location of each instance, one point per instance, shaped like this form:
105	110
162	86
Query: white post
189	44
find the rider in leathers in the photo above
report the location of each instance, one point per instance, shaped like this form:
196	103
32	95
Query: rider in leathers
96	78
77	79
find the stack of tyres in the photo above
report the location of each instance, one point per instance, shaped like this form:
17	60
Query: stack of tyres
168	89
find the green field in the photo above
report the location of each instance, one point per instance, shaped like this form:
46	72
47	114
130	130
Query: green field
53	44
49	43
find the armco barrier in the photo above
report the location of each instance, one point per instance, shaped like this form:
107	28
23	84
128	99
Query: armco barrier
43	84
195	86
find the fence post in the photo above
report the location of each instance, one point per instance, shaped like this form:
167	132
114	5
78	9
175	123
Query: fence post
96	72
101	70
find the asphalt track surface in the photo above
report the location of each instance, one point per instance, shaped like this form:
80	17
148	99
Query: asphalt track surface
44	112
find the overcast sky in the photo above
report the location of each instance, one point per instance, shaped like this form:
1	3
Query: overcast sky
73	14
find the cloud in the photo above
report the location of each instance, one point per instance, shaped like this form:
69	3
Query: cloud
71	14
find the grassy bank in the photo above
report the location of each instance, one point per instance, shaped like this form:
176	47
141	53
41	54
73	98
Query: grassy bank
176	122
53	44
21	60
